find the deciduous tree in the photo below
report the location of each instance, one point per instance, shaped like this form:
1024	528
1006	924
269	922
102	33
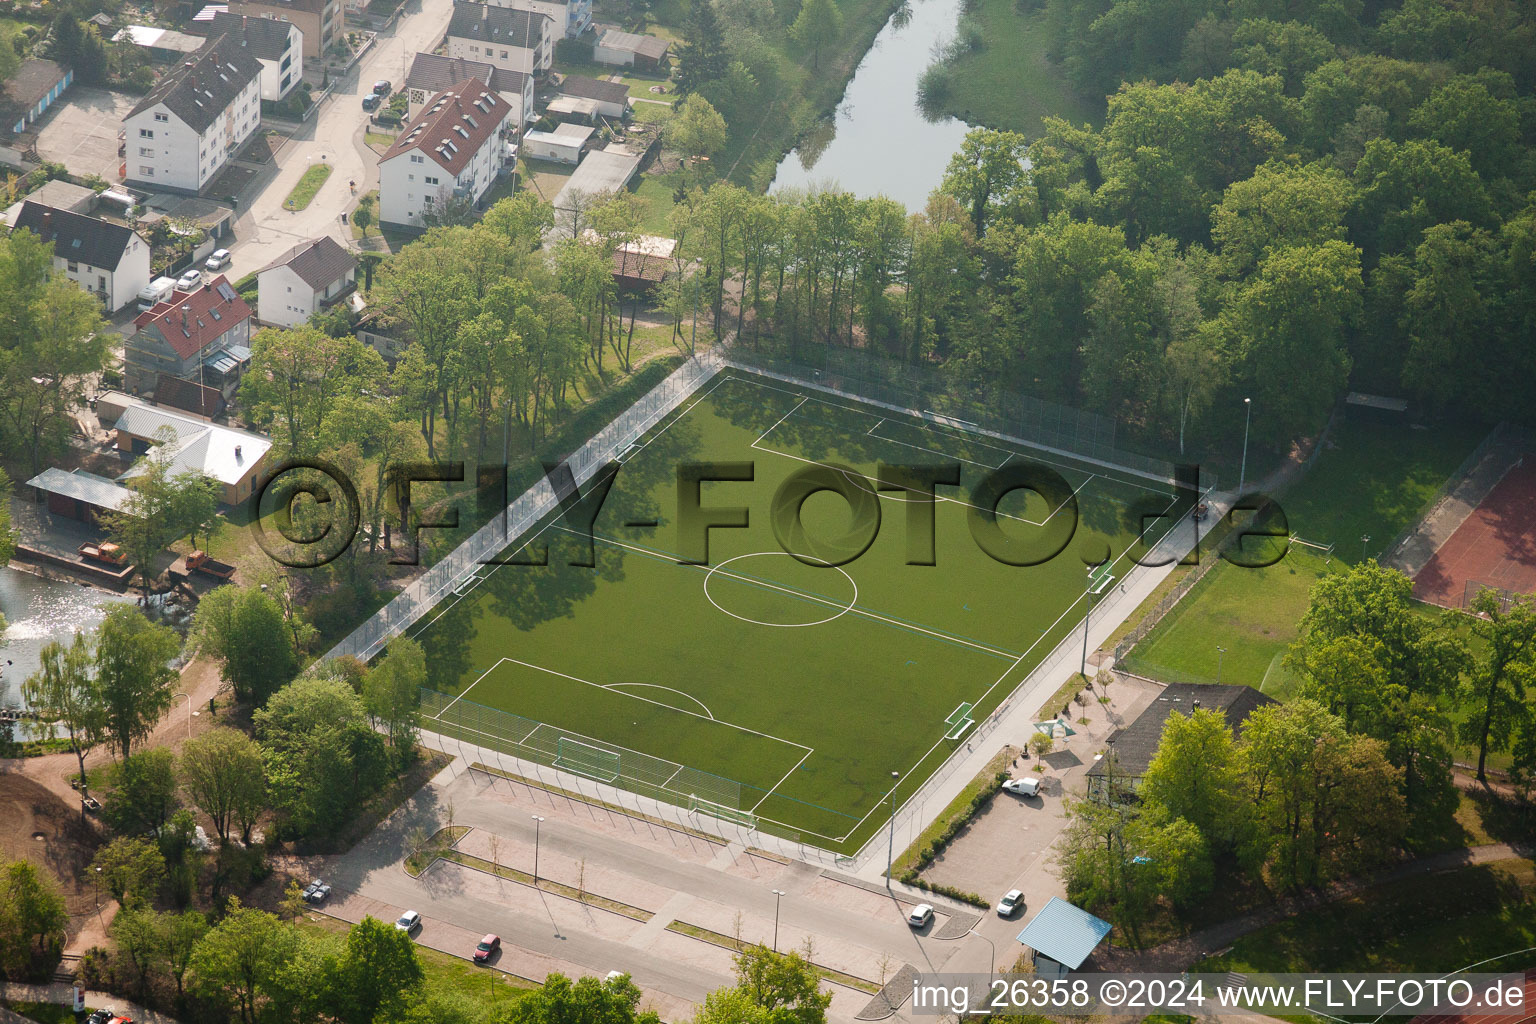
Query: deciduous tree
223	771
133	673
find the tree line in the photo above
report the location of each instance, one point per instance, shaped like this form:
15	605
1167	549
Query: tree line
1349	776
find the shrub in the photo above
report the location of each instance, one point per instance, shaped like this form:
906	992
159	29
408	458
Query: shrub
934	89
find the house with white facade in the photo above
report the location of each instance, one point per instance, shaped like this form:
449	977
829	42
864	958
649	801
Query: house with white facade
203	336
277	44
108	260
506	39
609	99
571	17
564	144
323	22
456	148
303	281
195	119
432	73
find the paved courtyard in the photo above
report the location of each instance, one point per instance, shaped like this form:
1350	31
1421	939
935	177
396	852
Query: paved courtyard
81	131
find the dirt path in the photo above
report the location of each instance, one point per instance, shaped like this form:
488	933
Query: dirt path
1179	954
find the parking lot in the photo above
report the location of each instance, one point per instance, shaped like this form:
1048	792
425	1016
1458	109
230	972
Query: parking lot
80	131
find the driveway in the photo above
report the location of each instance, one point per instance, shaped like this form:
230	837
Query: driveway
80	132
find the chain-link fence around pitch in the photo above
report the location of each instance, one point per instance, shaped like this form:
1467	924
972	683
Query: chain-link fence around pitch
561	749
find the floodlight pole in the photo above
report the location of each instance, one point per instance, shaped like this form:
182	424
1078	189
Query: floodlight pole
778	894
890	846
1087	611
537	821
1365	539
1220	651
1242	476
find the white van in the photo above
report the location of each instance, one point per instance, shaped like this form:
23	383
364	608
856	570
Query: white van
157	290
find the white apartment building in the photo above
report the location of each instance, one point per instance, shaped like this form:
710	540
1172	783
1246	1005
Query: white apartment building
279	45
457	147
191	124
108	260
571	17
506	39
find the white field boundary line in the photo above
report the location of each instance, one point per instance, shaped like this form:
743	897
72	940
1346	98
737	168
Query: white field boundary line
776	785
902	624
1000	679
915	414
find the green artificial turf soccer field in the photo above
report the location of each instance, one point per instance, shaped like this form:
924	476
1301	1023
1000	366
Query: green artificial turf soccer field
806	684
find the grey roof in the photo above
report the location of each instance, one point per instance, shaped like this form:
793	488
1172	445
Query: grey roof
501	25
1136	744
266	38
319	263
196	445
76	237
647	46
83	486
595	89
434	72
1065	933
201	87
32	81
56	194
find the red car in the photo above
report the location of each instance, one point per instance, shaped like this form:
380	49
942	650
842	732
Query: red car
487	947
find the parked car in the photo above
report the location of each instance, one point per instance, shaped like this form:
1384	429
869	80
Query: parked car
219	260
486	948
316	891
371	101
1010	904
921	915
189	280
107	1016
1023	787
92	804
409	922
382	88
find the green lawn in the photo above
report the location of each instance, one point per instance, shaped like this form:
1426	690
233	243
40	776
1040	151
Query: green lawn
304	192
1374	479
1454	919
790	690
1009	83
637	83
656	190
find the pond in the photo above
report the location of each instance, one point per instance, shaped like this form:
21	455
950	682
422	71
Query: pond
879	143
38	611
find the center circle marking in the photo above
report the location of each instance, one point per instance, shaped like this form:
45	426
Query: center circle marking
749	581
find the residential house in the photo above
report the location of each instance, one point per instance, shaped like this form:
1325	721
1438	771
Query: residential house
563	145
1130	749
630	49
322	22
185	444
27	94
610	99
509	40
432	73
303	281
457	147
571	17
277	44
193	122
111	261
202	335
641	263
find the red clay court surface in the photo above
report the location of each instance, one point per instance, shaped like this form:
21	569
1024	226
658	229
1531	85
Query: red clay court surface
1496	545
1474	1017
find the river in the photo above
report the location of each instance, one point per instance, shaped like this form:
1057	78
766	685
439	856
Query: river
36	611
880	143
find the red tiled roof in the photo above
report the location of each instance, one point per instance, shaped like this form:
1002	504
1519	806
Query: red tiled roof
453	126
190	320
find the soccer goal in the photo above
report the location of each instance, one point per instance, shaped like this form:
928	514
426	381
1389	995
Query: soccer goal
1099	579
585	759
700	805
958	721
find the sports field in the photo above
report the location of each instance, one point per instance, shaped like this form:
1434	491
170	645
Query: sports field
1492	549
780	690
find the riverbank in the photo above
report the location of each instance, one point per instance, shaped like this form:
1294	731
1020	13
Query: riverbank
1008	82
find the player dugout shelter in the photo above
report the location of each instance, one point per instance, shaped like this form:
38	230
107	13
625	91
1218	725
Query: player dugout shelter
1061	937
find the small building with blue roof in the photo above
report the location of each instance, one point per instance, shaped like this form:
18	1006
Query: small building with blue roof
1061	937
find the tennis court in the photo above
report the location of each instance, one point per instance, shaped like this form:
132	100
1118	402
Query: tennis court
1494	548
771	688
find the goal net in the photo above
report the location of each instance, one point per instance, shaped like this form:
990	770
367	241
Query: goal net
699	805
585	759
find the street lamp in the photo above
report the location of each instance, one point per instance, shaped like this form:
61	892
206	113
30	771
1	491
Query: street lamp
96	888
778	894
993	969
890	846
1087	612
189	712
1219	652
537	821
1242	476
1365	539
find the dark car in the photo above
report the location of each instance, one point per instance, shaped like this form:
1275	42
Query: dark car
382	88
371	101
487	948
